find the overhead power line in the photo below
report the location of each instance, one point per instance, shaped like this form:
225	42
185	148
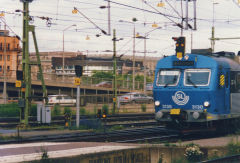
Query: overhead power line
153	12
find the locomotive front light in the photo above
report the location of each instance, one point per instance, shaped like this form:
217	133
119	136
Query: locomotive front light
196	115
157	103
206	104
186	57
159	115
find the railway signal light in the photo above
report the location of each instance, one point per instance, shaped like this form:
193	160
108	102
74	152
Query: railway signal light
78	70
19	75
180	46
104	115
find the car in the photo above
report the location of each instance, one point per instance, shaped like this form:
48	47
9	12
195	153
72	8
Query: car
61	100
135	97
106	84
13	99
149	86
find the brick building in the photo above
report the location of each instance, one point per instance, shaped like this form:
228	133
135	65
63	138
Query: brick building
11	55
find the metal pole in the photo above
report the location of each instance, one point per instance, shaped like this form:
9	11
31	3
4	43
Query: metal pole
144	63
213	39
114	71
195	14
25	61
63	57
63	64
109	19
191	40
32	28
78	106
133	68
186	15
4	69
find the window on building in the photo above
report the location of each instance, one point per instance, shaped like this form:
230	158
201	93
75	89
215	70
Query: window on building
8	68
1	46
8	57
1	57
0	68
8	46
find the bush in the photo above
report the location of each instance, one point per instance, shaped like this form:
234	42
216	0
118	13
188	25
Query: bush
56	110
193	153
82	111
9	110
95	110
105	109
33	110
143	107
67	110
12	110
233	148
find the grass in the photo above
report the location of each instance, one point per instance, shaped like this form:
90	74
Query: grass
117	127
12	110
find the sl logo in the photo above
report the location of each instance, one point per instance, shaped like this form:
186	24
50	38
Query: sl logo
180	98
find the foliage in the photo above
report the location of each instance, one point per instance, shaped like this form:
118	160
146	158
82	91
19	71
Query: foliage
103	74
33	110
12	110
56	110
215	155
82	111
161	158
95	110
143	107
105	108
9	110
193	153
67	110
233	148
180	160
117	127
44	153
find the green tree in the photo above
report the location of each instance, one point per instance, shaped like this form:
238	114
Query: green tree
103	74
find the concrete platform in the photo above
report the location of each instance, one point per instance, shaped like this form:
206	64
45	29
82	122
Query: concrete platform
33	151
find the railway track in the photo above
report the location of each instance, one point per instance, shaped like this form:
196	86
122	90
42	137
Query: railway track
125	120
128	135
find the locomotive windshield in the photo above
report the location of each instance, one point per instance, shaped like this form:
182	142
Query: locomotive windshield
197	77
168	77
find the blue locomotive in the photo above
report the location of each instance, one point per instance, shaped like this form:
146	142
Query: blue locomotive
197	90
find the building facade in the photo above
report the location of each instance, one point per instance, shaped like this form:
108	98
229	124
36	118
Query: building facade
9	50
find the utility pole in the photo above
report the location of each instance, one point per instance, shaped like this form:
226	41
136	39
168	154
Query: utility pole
195	14
25	61
213	39
144	64
186	27
114	72
4	68
26	64
213	30
109	19
63	56
133	68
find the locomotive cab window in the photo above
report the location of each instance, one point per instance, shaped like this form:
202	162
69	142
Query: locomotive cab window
168	77
235	82
197	77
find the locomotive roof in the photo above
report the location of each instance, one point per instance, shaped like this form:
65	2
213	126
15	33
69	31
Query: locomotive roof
200	61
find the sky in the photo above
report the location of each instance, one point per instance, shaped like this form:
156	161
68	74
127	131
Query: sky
224	14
